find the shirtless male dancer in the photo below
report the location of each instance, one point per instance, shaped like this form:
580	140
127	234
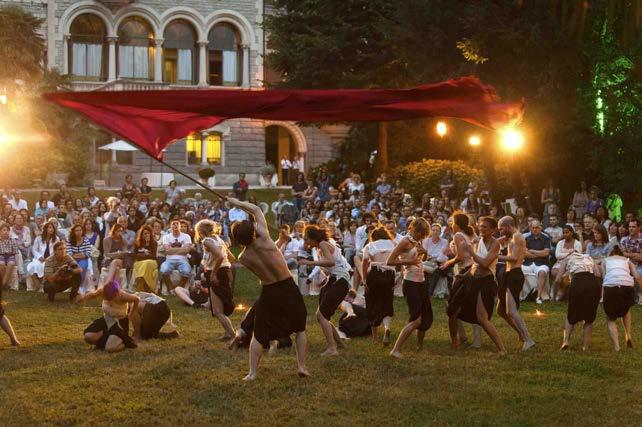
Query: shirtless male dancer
513	281
280	310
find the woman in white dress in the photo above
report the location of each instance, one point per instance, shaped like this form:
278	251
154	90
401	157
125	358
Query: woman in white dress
41	249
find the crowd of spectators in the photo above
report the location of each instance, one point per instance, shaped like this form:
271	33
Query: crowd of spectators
152	237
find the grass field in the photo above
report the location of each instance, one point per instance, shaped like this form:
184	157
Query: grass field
54	378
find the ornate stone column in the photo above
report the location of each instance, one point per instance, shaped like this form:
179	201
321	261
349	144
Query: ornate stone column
246	65
202	63
111	76
158	60
65	53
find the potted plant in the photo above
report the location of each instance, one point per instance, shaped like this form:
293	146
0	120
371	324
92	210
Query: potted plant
205	174
266	173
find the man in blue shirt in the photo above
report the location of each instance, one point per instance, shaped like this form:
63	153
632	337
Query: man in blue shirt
538	249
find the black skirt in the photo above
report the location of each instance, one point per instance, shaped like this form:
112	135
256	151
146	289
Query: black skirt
583	298
513	280
279	311
356	326
379	295
331	295
457	293
153	319
119	329
484	286
247	325
418	301
618	300
222	289
199	297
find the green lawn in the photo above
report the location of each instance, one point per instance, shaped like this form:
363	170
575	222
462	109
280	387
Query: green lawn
54	378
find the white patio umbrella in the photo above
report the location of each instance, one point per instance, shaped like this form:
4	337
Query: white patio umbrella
114	146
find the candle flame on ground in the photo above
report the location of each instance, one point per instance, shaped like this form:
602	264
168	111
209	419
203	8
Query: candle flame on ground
240	307
538	313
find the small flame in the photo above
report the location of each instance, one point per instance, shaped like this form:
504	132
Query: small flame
538	313
240	307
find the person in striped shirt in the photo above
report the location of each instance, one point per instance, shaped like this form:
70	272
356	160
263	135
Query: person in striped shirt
79	248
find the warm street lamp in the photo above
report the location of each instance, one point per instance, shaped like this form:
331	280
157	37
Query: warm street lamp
512	140
441	129
474	140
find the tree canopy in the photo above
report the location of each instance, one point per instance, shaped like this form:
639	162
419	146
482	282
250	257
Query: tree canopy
576	63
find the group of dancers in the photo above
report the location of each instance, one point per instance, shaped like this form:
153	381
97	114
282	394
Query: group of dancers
280	311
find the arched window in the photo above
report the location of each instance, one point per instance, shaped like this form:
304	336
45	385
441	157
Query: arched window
135	49
224	55
88	48
179	53
204	150
194	149
213	148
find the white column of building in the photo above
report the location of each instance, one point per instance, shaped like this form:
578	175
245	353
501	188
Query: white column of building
158	60
65	53
246	65
203	149
202	63
111	76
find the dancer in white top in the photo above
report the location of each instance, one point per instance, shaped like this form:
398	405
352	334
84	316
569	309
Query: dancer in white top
619	294
461	246
379	282
409	253
218	273
336	286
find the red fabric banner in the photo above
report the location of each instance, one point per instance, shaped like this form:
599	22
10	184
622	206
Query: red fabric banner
154	119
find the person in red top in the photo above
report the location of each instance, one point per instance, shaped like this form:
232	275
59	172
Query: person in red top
240	188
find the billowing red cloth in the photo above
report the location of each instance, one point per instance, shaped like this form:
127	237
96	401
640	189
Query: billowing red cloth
153	119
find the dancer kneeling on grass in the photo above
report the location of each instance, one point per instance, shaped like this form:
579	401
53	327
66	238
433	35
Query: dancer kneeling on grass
5	324
280	310
379	282
336	286
111	332
354	320
217	269
619	294
409	253
583	297
482	288
152	314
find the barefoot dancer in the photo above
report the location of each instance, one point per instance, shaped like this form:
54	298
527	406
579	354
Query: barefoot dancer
336	286
461	246
111	332
513	281
482	289
408	254
5	324
280	310
379	281
583	297
218	273
619	294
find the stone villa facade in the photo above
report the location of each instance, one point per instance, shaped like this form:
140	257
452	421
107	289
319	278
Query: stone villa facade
189	44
